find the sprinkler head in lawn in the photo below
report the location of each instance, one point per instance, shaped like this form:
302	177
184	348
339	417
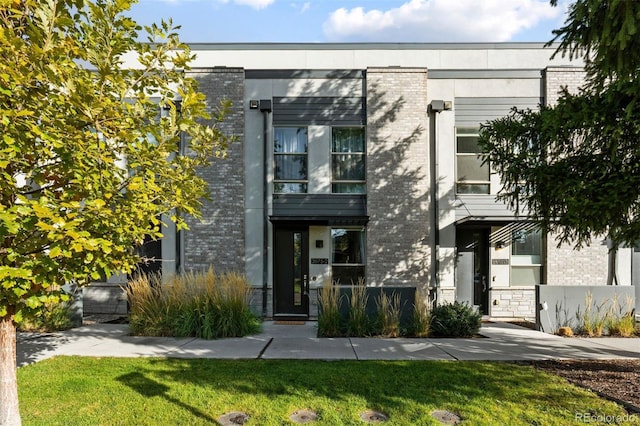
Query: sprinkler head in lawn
372	416
233	418
304	416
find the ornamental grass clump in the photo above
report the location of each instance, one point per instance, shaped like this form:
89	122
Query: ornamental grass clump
388	315
421	321
329	318
202	305
622	319
358	324
151	309
593	320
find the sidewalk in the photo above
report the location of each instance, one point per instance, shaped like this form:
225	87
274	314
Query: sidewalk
500	342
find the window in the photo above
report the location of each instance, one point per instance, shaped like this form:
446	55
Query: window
347	255
290	157
472	177
347	160
526	257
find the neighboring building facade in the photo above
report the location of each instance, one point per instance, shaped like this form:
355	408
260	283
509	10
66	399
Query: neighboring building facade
359	162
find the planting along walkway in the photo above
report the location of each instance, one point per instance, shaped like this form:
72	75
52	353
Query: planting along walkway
499	342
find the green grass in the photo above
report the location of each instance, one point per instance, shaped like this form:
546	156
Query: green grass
144	391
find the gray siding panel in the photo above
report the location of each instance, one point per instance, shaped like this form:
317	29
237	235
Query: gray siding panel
471	112
484	74
304	74
319	205
318	110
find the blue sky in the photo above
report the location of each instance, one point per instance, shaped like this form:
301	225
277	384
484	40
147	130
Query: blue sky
222	21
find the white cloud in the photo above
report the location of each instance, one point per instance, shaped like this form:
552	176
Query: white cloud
301	8
256	4
439	20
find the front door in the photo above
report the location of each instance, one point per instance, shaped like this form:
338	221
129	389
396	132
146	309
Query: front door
472	267
291	272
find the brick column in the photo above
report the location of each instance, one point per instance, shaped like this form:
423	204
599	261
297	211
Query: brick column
397	177
566	266
218	239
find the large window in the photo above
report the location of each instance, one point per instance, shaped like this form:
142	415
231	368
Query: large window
348	160
472	177
526	257
347	255
290	156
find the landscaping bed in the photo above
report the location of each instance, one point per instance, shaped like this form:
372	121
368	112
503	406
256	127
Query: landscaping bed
616	379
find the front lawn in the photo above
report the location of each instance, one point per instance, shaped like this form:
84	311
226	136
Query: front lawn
144	391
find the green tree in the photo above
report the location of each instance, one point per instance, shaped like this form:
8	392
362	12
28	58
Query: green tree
87	162
575	166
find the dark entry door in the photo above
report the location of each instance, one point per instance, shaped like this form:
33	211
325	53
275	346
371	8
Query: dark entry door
291	272
472	266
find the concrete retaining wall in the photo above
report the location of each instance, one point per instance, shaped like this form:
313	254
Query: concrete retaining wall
104	299
407	301
563	302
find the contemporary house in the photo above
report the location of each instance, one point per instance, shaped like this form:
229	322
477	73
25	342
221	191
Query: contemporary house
359	163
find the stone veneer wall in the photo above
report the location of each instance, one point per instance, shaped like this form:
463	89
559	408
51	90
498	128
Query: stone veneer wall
513	302
397	177
218	239
566	266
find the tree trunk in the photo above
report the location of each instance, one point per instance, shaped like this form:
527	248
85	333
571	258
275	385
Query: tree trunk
9	409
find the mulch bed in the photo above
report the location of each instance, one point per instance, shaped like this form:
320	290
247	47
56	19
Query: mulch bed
618	380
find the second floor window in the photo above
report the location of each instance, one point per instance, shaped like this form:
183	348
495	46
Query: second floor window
348	160
472	177
290	158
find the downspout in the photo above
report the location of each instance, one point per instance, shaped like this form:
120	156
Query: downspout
612	274
433	167
265	109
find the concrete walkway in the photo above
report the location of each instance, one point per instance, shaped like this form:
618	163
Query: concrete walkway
500	342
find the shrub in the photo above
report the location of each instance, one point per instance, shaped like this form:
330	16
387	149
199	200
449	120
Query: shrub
202	305
388	315
455	320
329	318
54	317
